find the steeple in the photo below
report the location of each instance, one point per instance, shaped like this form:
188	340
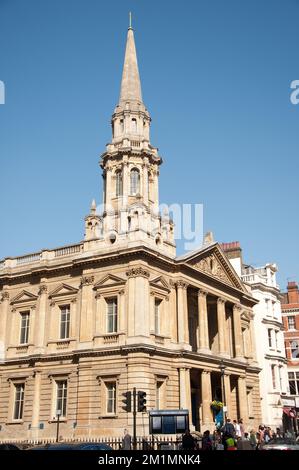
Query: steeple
130	167
130	89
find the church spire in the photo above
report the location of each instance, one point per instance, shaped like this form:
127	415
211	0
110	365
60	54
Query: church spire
130	89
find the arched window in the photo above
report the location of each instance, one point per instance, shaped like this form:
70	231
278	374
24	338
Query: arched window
121	126
135	181
118	183
134	126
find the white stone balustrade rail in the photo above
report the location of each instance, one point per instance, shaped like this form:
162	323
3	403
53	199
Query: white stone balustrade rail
40	256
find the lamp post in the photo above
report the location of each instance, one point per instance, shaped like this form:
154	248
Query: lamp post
58	413
222	369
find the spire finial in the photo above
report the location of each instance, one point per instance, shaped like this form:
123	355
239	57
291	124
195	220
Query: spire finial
93	207
130	20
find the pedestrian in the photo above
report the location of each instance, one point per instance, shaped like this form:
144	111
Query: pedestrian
206	441
127	440
188	441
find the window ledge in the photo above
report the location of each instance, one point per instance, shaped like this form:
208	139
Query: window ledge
15	421
108	416
55	420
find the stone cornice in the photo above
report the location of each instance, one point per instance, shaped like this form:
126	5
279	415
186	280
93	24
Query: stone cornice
276	357
272	322
263	287
179	355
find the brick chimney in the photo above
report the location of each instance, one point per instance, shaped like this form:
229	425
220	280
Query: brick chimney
233	251
293	292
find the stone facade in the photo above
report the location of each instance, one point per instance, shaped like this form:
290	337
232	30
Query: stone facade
82	324
268	330
290	312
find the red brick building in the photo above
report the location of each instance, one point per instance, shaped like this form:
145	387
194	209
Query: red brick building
290	316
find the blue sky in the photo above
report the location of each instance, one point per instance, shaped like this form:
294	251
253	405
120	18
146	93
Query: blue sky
216	79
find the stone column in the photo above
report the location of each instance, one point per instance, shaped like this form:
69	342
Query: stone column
40	320
138	294
227	391
252	338
221	327
156	188
185	391
121	312
237	331
206	394
242	398
145	182
126	182
73	319
36	405
203	326
182	309
152	312
4	306
109	190
86	313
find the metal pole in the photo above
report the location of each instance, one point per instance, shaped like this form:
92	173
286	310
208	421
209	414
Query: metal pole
223	392
57	429
134	419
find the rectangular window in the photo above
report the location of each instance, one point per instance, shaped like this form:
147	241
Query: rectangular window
65	314
291	323
249	402
19	401
61	397
111	397
159	386
24	331
157	316
294	349
280	378
270	338
294	383
277	340
273	377
112	315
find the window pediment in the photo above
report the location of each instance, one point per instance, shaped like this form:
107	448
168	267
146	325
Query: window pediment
63	290
161	284
109	281
24	296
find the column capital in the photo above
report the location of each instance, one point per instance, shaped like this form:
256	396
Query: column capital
237	307
221	301
205	371
181	284
5	295
86	280
202	293
138	272
43	289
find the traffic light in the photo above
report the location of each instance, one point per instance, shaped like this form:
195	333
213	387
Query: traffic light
141	403
127	401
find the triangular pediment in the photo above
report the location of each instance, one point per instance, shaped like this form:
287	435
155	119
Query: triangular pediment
213	262
63	289
109	281
24	296
160	282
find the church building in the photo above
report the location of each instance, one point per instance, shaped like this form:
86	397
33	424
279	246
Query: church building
82	324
